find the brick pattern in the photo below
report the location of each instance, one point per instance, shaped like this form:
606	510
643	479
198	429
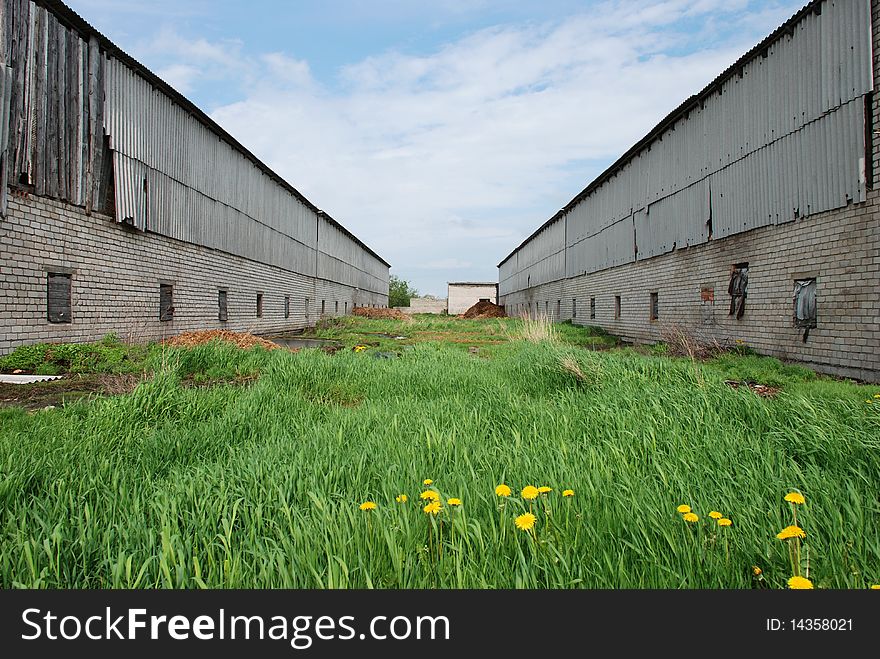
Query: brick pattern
840	248
117	272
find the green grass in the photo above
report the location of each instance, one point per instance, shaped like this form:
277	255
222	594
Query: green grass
258	485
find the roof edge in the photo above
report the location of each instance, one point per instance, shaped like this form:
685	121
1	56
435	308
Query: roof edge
670	119
76	22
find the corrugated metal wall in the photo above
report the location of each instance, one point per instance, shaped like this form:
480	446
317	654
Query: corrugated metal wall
783	138
75	108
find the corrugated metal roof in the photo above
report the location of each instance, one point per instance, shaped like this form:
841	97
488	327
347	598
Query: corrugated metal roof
681	111
74	21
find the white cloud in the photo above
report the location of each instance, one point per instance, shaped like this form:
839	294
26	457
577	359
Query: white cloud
444	162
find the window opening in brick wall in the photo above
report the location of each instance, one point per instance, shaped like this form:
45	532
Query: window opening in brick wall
592	308
323	306
166	302
617	306
58	287
222	306
574	308
805	305
346	308
307	308
558	309
287	306
259	305
655	306
337	307
738	289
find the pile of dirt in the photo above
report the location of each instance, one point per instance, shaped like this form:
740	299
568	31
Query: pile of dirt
370	312
484	309
241	339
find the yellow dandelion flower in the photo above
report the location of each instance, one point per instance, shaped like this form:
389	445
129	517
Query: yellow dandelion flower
502	490
453	502
360	348
401	498
432	508
367	505
799	583
544	489
715	515
429	494
876	586
795	498
427	482
568	493
690	517
525	522
876	395
791	532
757	571
530	492
724	522
683	509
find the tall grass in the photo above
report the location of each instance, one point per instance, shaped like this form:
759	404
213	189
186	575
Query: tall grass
259	486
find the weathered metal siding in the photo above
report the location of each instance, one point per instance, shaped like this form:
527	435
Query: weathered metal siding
782	137
342	260
174	176
76	109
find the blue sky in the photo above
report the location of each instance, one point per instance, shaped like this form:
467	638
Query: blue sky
441	133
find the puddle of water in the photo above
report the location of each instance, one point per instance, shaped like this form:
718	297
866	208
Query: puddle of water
304	343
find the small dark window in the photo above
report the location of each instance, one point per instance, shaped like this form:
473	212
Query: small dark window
307	308
58	287
323	306
592	308
558	308
617	306
166	302
287	306
738	289
259	305
337	307
222	306
546	307
574	308
655	306
805	303
346	308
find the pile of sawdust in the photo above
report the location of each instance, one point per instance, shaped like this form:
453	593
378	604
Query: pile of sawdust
484	309
240	339
370	312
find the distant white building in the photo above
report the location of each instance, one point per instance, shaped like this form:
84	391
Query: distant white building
462	295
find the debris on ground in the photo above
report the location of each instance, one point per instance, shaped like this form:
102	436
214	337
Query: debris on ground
371	312
763	390
17	378
240	339
484	309
60	392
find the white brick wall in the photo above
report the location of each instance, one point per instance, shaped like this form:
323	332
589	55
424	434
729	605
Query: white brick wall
840	248
116	277
462	297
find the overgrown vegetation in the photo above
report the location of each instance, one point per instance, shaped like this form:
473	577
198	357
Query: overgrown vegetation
400	292
261	485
